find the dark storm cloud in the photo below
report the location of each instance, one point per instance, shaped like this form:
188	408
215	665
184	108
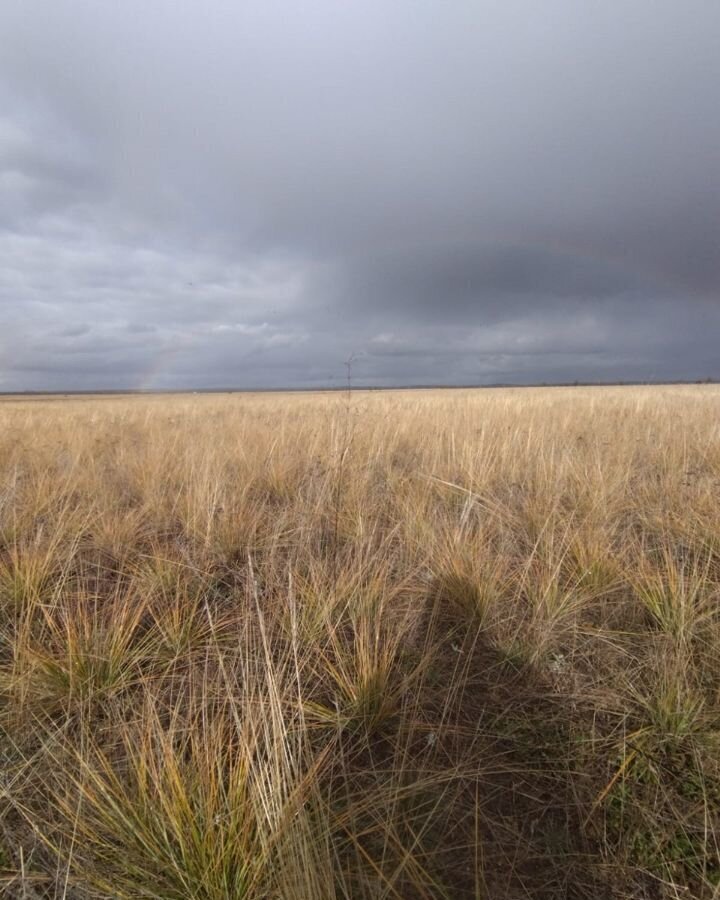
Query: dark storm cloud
219	193
479	283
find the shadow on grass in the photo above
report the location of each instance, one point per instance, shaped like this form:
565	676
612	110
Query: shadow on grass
499	808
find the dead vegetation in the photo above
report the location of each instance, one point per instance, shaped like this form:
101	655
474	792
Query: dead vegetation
458	644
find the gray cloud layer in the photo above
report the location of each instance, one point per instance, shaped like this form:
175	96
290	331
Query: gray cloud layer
210	194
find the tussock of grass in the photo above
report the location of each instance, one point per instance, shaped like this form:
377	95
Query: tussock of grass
413	645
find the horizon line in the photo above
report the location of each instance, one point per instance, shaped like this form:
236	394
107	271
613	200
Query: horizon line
343	388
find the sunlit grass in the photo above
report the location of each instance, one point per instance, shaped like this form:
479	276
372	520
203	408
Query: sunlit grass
457	644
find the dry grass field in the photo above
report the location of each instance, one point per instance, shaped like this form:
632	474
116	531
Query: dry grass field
432	644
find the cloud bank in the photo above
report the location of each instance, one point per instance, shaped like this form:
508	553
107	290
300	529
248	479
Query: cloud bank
221	194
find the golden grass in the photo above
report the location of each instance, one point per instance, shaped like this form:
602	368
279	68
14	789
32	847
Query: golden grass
432	644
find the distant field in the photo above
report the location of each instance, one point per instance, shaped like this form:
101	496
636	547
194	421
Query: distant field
429	644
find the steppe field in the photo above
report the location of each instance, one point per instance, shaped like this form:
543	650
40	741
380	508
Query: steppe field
421	644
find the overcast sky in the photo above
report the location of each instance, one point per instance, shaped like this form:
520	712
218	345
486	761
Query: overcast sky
196	193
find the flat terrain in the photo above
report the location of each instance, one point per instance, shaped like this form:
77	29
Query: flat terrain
433	644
